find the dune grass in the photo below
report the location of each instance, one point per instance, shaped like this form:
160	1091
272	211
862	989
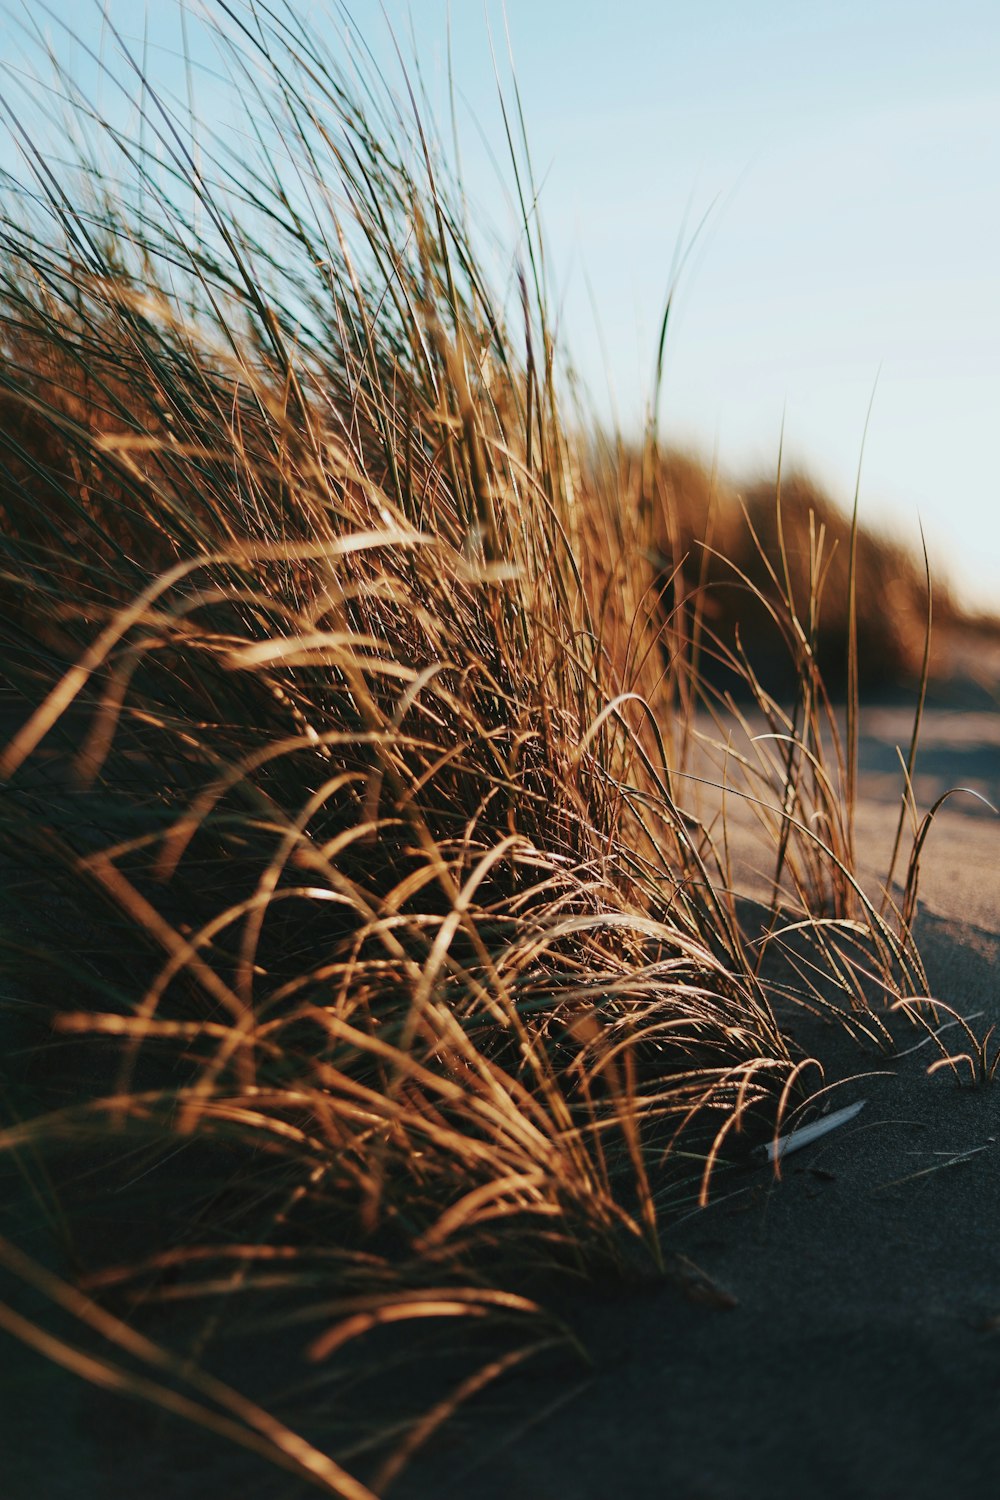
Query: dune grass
752	551
370	925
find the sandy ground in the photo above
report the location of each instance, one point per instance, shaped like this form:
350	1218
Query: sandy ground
861	1354
861	1357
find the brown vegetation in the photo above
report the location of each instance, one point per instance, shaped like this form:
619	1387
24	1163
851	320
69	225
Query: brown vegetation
734	552
373	955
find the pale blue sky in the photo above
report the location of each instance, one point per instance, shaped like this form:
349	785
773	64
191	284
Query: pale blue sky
852	155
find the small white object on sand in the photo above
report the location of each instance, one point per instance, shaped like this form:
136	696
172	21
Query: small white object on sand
796	1139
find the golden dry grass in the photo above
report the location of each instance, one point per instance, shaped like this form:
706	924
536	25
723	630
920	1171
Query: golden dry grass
741	546
347	834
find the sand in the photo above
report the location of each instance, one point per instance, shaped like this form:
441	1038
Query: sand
861	1355
860	1352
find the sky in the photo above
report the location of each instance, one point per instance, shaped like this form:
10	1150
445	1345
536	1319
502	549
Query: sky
837	166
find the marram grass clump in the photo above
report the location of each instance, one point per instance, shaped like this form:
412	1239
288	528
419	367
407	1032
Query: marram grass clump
372	958
744	548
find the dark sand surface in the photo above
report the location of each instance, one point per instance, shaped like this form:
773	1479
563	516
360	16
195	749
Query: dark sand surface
861	1355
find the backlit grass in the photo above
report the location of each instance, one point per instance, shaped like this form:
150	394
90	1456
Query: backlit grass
372	944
